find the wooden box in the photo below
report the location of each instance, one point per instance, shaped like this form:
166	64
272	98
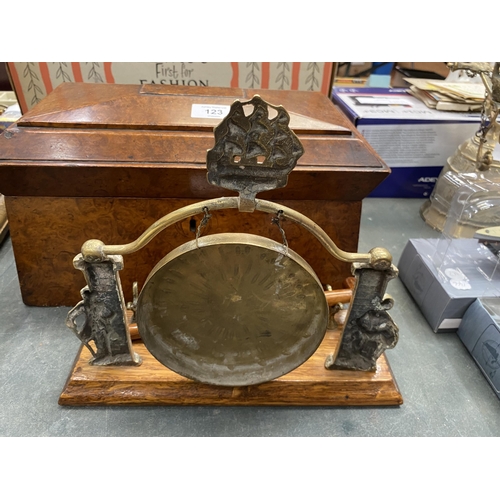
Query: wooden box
106	161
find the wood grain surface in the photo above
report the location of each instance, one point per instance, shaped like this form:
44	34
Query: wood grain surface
154	384
159	107
114	140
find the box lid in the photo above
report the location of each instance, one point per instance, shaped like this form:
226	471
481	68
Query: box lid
385	105
131	140
155	107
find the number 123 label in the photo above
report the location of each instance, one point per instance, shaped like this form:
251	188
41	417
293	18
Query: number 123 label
209	111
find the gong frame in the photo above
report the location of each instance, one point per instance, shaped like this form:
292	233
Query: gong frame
253	153
368	331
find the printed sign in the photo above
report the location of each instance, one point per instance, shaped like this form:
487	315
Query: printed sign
34	80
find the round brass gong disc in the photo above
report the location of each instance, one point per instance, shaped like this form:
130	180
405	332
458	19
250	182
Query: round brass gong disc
234	310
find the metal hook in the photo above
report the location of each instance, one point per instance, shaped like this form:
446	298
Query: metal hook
277	220
203	223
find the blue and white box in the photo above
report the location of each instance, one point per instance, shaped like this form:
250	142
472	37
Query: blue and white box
413	140
480	333
445	285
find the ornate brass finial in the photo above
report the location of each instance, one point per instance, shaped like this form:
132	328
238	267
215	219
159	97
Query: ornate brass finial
253	152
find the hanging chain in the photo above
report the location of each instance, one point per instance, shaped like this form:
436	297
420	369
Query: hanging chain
482	161
277	220
489	115
482	127
485	160
203	223
489	109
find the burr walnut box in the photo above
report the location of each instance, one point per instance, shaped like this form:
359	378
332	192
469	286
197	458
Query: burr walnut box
104	161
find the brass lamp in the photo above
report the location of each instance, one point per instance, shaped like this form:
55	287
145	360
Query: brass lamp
471	169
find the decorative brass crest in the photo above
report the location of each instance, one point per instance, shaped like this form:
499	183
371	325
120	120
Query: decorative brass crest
253	153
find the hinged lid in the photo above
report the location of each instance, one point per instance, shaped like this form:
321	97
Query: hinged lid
150	141
157	107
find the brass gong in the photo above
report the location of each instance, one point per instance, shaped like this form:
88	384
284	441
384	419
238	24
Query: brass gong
232	309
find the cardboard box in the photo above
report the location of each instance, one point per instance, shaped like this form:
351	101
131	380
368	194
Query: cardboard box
32	81
435	67
414	141
480	333
352	69
444	291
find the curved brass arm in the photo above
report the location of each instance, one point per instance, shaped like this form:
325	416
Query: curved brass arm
172	218
314	229
95	250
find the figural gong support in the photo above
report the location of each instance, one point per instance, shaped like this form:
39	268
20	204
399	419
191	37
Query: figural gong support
102	310
369	329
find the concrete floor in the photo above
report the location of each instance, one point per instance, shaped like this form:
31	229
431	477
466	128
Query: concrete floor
444	392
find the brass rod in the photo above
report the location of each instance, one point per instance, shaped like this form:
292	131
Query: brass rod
168	220
338	297
333	297
232	202
314	229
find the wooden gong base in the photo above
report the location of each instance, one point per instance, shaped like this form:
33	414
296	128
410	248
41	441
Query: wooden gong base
153	384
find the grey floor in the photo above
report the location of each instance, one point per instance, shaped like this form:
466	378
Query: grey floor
444	392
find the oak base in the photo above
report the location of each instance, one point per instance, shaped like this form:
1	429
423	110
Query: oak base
153	384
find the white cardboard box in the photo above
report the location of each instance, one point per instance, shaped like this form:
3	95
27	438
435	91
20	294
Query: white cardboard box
412	139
